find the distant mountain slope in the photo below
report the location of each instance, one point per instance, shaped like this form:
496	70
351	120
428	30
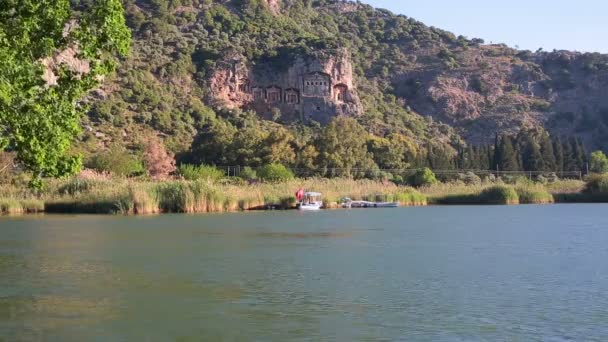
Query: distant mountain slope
198	61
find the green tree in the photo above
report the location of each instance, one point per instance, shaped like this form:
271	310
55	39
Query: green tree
213	145
423	177
558	150
508	157
52	55
548	154
531	156
581	153
496	157
278	147
392	152
342	145
570	163
598	162
118	161
275	173
439	158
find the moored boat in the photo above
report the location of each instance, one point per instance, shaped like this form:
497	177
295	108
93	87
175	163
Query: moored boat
310	201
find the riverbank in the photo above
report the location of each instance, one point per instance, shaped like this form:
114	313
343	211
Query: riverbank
137	197
122	196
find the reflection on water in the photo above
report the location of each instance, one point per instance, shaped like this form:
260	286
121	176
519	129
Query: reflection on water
491	273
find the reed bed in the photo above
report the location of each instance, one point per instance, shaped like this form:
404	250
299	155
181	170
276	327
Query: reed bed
10	206
491	195
534	194
125	196
565	186
595	190
144	197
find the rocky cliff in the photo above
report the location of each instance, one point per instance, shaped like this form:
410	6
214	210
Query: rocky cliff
306	88
492	88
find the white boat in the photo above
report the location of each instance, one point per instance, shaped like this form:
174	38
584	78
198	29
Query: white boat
311	202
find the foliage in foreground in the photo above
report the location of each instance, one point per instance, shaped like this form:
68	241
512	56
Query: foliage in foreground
51	57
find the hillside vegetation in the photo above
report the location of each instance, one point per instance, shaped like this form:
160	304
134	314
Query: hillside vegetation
426	93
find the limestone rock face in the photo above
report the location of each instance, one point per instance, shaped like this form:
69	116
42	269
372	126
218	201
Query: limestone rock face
273	5
307	89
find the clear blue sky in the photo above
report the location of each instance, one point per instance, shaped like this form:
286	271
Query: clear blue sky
580	25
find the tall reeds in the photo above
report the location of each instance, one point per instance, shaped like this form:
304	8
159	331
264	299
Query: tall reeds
126	196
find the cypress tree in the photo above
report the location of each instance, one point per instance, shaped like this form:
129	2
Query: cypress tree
558	150
461	158
578	154
490	158
569	157
430	157
546	150
581	154
470	162
532	160
497	158
482	158
508	156
477	158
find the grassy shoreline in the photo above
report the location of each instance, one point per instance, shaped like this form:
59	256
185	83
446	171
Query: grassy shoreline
141	197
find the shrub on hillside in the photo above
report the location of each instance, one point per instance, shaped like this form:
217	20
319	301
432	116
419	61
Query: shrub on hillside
275	173
200	172
423	177
248	174
116	161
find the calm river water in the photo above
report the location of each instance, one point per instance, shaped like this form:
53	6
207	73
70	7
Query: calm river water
519	273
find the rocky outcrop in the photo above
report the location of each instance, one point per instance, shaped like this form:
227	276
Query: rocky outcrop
308	89
273	5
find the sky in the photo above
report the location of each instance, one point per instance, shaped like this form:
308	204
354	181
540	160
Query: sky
580	25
